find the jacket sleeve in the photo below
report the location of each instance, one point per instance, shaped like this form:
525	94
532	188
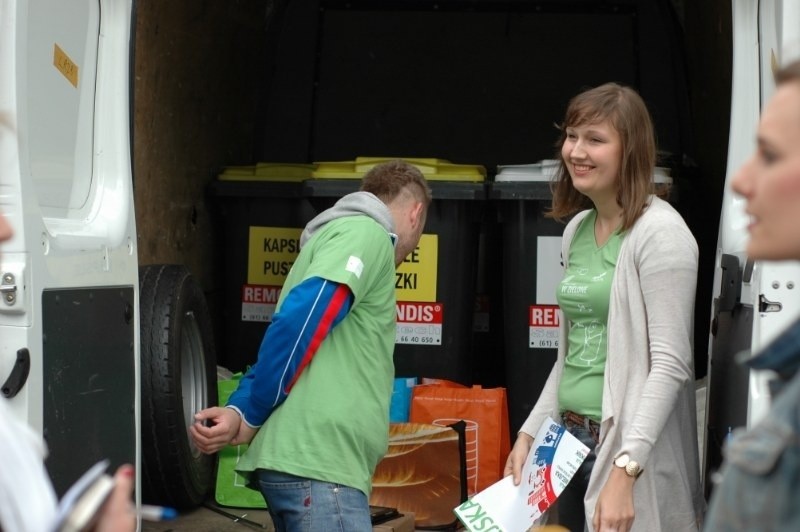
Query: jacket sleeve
667	272
307	315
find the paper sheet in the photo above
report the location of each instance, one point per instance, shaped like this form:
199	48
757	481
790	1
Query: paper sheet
553	460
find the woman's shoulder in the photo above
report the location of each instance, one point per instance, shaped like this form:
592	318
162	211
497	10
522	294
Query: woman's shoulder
661	225
659	214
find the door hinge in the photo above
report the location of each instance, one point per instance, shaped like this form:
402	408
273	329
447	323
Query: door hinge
8	288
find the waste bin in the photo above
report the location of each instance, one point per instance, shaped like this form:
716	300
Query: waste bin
531	251
436	283
263	211
487	333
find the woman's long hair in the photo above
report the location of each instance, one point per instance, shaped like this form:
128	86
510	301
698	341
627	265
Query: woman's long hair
625	110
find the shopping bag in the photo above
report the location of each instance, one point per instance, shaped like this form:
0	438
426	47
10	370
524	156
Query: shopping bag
401	399
231	487
485	412
423	472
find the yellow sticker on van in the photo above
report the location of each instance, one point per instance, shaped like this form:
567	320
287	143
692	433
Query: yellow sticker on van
65	65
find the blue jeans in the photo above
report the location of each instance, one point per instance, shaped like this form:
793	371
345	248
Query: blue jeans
299	504
571	511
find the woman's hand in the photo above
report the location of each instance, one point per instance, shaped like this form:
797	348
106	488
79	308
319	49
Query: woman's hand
614	509
118	514
517	456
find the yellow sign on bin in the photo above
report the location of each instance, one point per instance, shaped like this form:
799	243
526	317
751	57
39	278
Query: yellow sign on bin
416	276
272	252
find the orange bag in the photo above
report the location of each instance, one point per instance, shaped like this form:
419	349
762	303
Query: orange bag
485	412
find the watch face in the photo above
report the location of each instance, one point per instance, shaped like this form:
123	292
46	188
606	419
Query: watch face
632	468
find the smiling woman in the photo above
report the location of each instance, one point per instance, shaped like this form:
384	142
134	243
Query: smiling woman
606	122
623	382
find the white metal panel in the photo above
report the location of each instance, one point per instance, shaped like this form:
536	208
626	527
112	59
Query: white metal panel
779	284
17	327
92	246
65	169
59	126
745	109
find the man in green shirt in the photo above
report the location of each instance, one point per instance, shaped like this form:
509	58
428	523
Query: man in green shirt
313	451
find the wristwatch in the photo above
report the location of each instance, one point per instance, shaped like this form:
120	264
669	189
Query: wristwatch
631	467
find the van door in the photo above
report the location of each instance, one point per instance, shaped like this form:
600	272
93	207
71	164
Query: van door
69	340
753	301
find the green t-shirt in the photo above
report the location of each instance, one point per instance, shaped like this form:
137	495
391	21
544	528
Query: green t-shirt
583	295
333	426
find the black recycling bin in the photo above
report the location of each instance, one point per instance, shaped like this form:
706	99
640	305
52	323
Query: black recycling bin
531	250
263	213
436	283
487	333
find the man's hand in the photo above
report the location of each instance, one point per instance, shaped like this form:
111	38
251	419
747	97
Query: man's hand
222	430
517	456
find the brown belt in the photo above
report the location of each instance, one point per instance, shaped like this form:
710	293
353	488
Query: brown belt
591	425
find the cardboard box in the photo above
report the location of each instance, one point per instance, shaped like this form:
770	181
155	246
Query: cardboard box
404	523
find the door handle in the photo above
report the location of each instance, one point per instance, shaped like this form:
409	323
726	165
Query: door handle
19	374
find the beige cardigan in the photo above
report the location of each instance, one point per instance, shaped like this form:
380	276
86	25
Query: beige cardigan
648	406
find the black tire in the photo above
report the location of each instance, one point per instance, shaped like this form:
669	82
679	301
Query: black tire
178	376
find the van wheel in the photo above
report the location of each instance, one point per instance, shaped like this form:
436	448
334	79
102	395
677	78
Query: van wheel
178	378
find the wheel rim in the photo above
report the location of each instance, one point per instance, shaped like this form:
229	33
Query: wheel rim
194	388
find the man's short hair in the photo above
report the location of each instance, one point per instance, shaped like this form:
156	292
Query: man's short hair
388	180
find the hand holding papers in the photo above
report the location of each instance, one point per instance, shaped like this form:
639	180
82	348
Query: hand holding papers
553	459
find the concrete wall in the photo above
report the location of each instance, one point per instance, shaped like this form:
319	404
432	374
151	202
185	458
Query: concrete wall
199	71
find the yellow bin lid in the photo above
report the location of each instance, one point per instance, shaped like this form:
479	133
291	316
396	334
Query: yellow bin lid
432	169
291	172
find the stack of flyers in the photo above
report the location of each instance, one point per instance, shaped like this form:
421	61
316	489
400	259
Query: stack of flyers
552	461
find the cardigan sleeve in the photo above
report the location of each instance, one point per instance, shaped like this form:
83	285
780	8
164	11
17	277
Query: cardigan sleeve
665	258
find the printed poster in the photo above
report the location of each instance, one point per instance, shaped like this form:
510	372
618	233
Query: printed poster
502	507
